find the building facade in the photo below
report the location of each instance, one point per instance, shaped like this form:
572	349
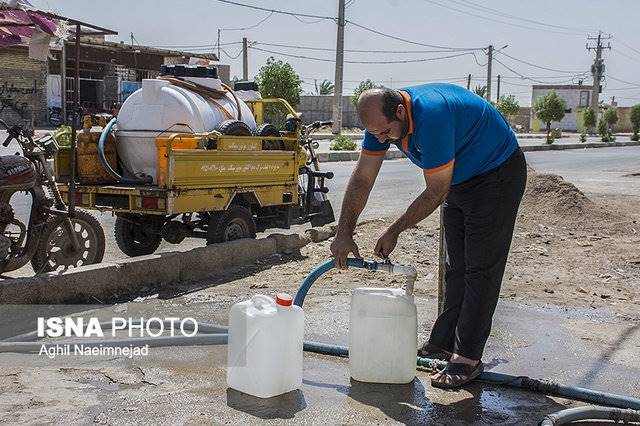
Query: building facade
109	72
576	96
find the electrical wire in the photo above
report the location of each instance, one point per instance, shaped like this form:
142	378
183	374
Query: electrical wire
538	66
623	88
487	9
371	30
330	49
622	81
500	21
404	61
232	56
281	12
194	46
532	79
627	45
250	27
634	59
397	81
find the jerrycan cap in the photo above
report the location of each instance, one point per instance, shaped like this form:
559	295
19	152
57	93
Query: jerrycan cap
284	299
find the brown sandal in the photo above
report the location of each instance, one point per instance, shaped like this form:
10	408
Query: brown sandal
460	375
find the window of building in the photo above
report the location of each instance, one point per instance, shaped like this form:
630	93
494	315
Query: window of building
584	98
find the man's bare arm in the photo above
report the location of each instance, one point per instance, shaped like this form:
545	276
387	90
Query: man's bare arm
355	199
438	185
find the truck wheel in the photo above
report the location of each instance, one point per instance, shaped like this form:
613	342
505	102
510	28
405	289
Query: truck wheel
233	128
268	129
55	251
135	240
232	224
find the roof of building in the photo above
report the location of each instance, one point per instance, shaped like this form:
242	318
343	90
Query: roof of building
144	49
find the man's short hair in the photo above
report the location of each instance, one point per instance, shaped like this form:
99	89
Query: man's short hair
390	100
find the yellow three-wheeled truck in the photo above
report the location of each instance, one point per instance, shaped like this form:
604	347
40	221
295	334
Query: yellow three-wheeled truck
220	185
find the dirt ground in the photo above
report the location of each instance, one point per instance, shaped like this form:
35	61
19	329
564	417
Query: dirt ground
569	312
568	250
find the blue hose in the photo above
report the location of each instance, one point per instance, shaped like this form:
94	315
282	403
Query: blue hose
107	166
326	267
519	382
591	413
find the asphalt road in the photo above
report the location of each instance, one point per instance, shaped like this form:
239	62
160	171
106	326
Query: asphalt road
602	170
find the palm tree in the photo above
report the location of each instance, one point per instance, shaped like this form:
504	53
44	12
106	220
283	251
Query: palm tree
324	88
480	91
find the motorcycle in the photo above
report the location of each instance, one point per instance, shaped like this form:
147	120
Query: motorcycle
52	241
55	116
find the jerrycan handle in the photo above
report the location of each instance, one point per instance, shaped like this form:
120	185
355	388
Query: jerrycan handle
260	300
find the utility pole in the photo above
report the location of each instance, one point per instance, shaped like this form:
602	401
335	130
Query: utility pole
490	58
597	69
469	82
498	90
63	81
245	60
337	93
219	44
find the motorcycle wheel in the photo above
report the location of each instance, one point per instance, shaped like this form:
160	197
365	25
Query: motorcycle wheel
55	251
55	118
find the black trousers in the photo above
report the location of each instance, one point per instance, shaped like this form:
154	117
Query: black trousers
479	218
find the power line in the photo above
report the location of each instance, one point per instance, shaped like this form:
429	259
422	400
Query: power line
529	78
329	49
487	9
250	27
498	20
404	61
627	46
232	56
622	81
281	12
538	66
308	22
624	88
355	24
194	46
397	81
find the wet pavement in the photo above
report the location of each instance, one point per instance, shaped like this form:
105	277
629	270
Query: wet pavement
186	385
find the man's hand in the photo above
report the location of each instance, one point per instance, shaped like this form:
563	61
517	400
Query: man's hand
341	246
386	243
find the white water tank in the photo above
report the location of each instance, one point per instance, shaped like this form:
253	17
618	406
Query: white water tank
264	356
160	108
383	331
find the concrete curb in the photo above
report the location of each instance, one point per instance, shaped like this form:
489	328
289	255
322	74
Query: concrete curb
328	157
358	136
104	281
553	147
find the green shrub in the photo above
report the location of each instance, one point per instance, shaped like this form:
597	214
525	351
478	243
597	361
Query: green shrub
634	116
603	130
343	143
590	119
583	137
556	133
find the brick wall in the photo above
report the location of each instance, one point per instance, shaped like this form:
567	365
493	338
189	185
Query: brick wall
23	87
315	108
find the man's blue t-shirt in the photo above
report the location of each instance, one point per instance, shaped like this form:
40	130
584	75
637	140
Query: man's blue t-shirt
450	126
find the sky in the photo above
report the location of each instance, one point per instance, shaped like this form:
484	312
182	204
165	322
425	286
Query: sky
550	34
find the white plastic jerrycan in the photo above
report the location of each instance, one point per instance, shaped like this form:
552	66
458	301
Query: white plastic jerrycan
383	330
264	356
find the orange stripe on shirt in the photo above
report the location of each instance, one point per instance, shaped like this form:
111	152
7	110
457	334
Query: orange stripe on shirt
437	169
370	152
